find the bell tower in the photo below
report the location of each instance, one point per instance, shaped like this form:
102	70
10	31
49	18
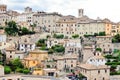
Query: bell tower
80	13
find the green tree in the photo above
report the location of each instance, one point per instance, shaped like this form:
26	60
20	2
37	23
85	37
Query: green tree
98	49
96	34
116	38
20	70
75	36
26	71
33	26
41	42
48	36
102	34
11	28
24	31
7	70
58	48
58	36
16	63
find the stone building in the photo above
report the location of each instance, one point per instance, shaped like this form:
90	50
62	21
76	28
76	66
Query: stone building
46	22
93	72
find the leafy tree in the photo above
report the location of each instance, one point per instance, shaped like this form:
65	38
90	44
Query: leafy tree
11	28
7	70
58	36
20	70
116	38
88	35
48	66
26	71
58	48
16	63
75	36
48	36
41	42
96	34
24	31
98	49
102	34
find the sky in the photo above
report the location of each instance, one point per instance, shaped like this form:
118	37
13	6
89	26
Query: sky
92	8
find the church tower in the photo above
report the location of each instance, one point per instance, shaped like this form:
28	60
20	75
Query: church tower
80	13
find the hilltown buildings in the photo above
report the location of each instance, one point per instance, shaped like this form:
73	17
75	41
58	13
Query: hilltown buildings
46	21
56	23
76	50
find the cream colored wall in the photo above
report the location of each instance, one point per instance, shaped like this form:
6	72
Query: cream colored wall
103	39
87	53
40	56
8	54
92	74
4	18
90	28
61	63
106	46
46	21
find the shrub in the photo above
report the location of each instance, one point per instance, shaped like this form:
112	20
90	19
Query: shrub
112	63
58	48
75	36
98	49
26	71
7	70
114	73
48	66
87	35
58	36
19	70
102	34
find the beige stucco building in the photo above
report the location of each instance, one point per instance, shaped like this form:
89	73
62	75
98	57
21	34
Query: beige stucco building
12	53
67	62
83	25
66	25
92	72
46	21
4	17
34	58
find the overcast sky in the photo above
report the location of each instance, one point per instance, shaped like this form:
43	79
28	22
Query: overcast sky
92	8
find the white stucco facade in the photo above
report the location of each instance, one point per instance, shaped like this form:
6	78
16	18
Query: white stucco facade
2	38
26	47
